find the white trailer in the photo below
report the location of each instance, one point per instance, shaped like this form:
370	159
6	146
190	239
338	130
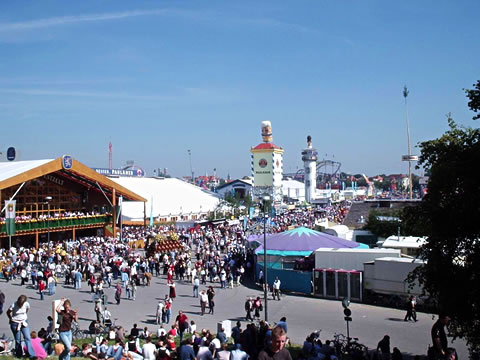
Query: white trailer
350	259
389	276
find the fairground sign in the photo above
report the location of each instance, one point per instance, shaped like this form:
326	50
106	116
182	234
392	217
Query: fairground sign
120	172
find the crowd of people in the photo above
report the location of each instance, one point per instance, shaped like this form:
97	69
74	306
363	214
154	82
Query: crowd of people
214	254
53	214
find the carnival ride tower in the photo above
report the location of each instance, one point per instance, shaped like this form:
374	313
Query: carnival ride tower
309	158
267	167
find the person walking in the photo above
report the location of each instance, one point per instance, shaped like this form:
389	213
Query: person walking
65	330
196	285
159	315
41	288
249	308
18	319
411	313
98	309
118	293
276	288
439	337
167	310
78	279
173	292
203	301
2	301
258	306
181	323
211	300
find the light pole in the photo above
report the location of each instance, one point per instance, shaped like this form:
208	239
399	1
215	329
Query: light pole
47	200
410	185
265	288
190	159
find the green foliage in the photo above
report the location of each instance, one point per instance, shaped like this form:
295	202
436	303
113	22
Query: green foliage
449	216
474	97
382	228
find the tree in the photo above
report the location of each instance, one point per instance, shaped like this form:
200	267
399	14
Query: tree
474	97
449	217
383	228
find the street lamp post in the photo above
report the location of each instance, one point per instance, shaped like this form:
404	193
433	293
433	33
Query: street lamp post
48	199
265	288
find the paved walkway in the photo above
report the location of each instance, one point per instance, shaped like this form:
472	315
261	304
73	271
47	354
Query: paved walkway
304	314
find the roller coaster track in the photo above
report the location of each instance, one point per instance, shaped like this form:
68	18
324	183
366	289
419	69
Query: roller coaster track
323	167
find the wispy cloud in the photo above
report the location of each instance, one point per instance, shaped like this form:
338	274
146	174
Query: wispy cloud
73	93
196	94
269	22
31	81
64	20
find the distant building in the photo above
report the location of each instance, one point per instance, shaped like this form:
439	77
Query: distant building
240	188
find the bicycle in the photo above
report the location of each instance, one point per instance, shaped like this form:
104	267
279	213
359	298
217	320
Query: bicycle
350	348
106	325
77	333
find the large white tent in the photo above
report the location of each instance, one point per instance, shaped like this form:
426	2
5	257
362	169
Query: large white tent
167	199
293	189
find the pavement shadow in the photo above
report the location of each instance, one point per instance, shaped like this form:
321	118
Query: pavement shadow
194	313
239	318
85	319
395	319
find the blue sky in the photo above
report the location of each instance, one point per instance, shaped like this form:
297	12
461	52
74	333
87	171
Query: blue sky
159	77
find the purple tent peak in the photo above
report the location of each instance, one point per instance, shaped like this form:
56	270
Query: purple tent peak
304	240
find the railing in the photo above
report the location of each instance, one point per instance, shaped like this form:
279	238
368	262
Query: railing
53	223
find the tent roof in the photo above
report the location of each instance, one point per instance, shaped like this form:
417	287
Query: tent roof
412	242
14	168
14	173
170	196
266	146
303	240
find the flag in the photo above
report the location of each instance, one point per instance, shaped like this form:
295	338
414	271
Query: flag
120	207
251	212
10	216
151	211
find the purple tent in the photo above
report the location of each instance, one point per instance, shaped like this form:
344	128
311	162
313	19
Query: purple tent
302	242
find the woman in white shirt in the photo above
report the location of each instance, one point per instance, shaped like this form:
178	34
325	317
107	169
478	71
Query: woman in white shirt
17	315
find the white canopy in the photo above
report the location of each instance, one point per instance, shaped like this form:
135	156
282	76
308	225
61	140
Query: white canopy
14	168
170	196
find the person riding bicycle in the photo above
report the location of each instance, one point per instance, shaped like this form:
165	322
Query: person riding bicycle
276	289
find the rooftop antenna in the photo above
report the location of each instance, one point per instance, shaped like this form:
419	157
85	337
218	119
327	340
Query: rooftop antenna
110	155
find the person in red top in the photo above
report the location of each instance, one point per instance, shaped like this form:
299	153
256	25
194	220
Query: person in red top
41	288
181	323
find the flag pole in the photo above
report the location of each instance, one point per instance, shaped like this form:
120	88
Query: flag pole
13	197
